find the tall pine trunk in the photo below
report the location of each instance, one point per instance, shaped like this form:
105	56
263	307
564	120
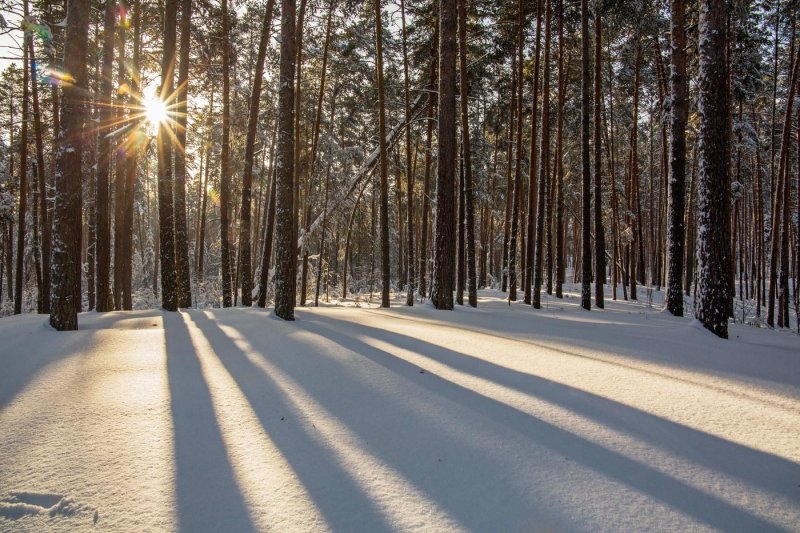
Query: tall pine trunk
66	263
544	166
166	218
472	284
384	164
101	198
224	175
711	300
285	250
677	162
184	286
444	245
586	170
599	230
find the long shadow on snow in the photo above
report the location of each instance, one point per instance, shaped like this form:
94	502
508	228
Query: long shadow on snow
345	506
206	493
752	466
371	414
642	478
367	411
632	343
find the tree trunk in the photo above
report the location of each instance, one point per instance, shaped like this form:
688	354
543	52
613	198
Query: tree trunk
586	170
66	265
472	285
599	230
677	163
384	164
44	247
166	219
104	154
285	250
410	278
711	300
184	286
444	248
249	156
224	176
544	167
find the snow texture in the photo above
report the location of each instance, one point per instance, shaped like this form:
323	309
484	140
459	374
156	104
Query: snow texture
500	418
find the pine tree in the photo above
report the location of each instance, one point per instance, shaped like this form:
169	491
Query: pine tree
66	264
677	164
711	299
166	213
384	165
285	252
184	287
444	243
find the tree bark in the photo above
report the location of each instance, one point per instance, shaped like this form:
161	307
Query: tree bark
166	218
224	177
472	284
384	166
66	264
599	230
544	167
711	300
285	252
444	248
677	163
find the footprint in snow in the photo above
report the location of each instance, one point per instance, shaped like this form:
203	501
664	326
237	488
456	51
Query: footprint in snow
18	504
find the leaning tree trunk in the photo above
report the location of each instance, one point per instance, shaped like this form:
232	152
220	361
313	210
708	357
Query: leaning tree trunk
711	300
249	156
66	264
285	250
444	244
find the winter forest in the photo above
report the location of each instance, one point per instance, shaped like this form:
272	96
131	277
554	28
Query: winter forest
516	229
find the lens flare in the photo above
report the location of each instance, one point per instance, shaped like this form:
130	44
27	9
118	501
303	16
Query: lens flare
155	111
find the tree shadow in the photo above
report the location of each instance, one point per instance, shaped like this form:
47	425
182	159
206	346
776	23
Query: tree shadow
634	343
689	500
399	447
344	505
754	467
202	466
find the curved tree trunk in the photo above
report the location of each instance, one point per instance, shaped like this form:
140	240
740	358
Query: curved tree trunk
249	156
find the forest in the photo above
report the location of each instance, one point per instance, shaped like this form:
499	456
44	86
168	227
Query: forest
399	265
191	153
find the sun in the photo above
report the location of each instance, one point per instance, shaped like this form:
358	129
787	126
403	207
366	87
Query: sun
155	111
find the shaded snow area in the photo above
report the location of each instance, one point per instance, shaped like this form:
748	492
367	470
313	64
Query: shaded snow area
501	418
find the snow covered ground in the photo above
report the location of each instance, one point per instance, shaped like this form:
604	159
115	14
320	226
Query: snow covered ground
501	418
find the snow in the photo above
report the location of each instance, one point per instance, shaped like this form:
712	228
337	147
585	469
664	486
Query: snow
500	418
